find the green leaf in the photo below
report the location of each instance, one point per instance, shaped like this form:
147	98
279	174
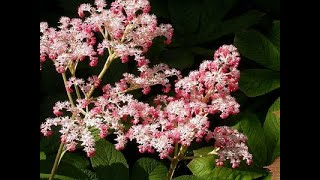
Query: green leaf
76	159
188	177
276	151
148	169
64	169
108	162
216	30
223	173
43	156
268	177
256	82
274	34
271	129
205	168
255	46
185	15
201	167
270	6
50	144
56	176
203	151
179	58
213	11
250	125
73	165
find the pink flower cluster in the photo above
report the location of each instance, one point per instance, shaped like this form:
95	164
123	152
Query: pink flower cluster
232	146
127	29
180	119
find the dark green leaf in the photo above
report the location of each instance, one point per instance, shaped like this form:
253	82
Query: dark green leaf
50	144
216	30
268	177
179	58
276	151
256	82
64	169
271	129
274	34
188	177
185	15
148	169
214	10
270	6
255	46
108	162
250	125
76	159
46	176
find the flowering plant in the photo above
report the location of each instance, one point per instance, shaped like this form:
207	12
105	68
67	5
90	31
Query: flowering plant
168	125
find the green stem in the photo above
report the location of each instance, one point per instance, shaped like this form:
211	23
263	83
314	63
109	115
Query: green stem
60	150
56	161
77	92
175	162
68	93
103	71
176	149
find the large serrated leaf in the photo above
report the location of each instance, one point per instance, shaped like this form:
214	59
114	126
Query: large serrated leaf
204	168
256	82
64	169
201	167
223	173
250	125
188	177
203	151
255	46
76	159
148	169
271	129
108	162
216	30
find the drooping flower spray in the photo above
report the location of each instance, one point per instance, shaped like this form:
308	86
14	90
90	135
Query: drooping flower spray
168	127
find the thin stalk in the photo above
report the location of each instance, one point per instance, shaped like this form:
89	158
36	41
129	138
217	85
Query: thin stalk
68	93
56	161
103	71
60	150
175	162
